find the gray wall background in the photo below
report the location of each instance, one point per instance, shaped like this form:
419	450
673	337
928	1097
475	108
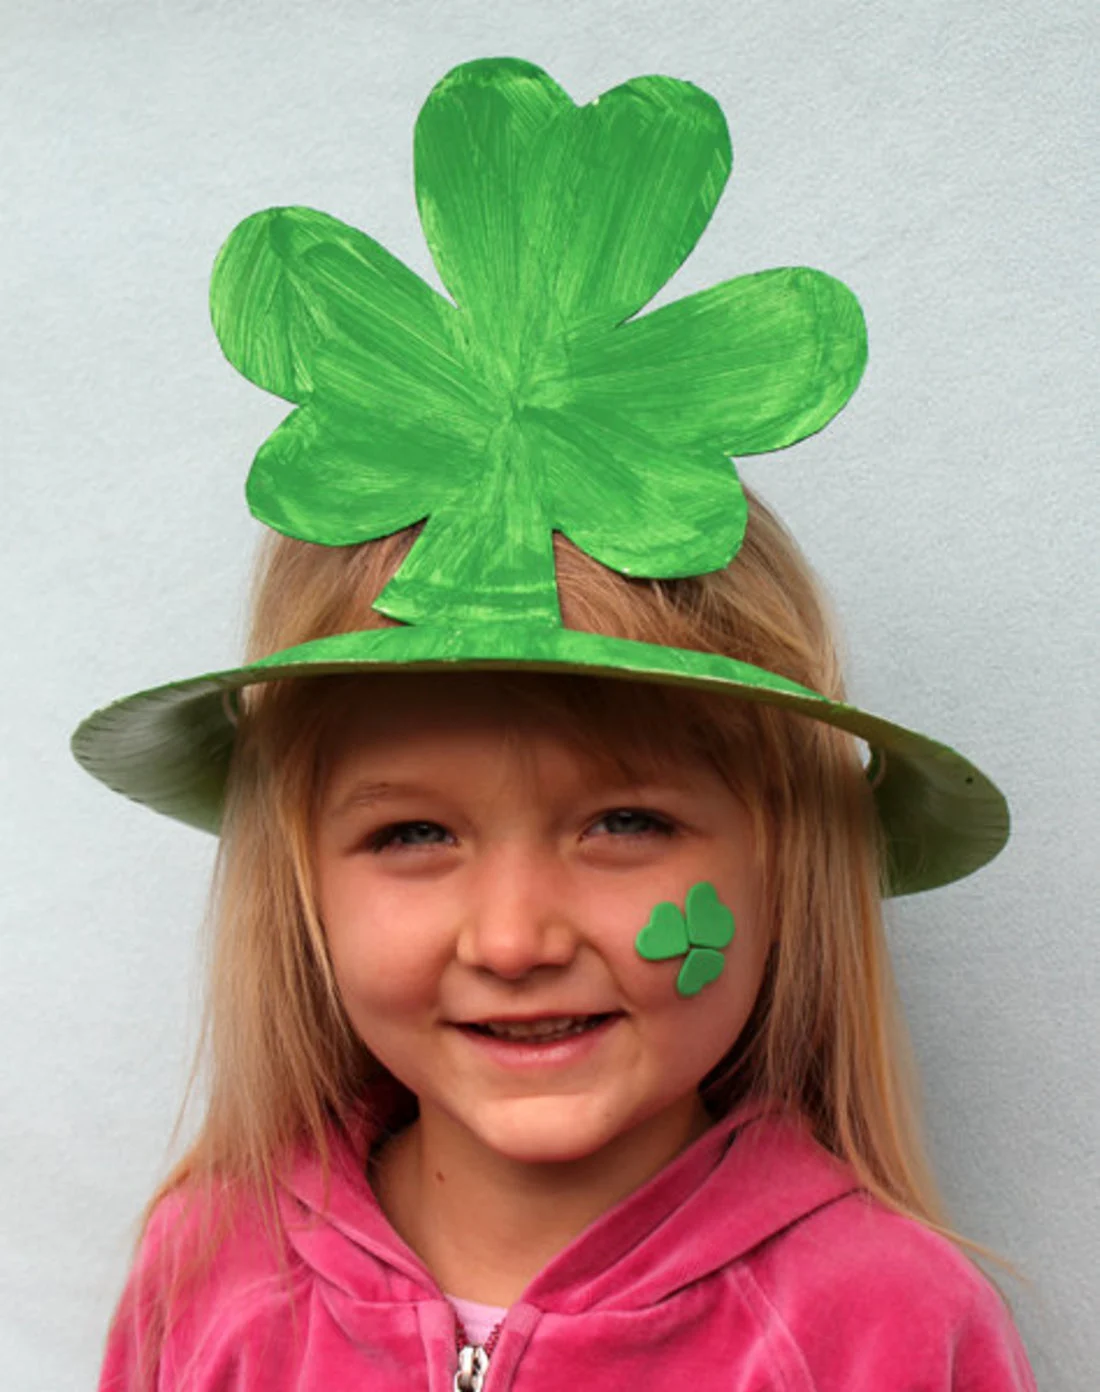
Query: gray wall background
938	156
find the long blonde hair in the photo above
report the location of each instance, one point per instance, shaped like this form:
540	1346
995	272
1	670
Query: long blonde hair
826	1039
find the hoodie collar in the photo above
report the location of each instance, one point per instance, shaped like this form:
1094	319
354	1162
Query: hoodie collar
753	1173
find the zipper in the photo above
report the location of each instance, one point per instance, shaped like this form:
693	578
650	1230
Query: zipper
473	1359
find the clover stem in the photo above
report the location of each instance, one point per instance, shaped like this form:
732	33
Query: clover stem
486	555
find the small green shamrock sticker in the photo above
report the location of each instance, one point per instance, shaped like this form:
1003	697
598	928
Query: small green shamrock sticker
536	399
701	932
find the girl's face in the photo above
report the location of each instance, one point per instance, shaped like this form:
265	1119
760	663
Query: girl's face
475	866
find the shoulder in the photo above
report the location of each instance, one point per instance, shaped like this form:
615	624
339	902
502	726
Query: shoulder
876	1300
210	1264
210	1238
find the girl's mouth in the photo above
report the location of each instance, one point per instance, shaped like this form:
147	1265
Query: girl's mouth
526	1045
539	1031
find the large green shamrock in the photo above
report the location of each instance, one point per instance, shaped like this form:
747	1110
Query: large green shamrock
698	935
535	402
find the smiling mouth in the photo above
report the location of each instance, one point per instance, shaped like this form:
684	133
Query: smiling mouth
539	1031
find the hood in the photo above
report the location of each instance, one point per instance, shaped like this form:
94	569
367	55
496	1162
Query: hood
752	1174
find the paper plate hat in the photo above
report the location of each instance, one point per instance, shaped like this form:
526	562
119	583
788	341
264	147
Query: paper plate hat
533	402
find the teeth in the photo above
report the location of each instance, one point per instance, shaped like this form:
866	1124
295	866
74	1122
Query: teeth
539	1029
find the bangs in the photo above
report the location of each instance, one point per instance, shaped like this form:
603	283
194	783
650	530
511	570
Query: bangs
633	731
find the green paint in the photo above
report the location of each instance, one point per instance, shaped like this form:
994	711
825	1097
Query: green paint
536	402
697	934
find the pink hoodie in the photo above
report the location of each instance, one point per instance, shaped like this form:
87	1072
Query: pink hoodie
751	1263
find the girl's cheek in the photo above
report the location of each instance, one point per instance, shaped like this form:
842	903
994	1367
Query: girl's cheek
385	954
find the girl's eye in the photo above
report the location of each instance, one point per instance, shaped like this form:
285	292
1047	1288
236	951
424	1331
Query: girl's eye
409	834
633	821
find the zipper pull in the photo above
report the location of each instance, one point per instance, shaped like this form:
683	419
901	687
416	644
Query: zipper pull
473	1364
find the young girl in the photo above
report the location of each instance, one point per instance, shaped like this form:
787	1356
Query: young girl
552	1035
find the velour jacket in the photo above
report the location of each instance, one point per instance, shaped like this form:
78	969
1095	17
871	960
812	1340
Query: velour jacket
752	1262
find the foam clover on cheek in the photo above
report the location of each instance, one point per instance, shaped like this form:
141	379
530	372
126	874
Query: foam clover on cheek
698	934
534	402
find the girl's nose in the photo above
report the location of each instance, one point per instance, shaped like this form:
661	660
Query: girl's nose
517	919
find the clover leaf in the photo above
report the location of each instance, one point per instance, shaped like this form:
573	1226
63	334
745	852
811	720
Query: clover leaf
536	401
698	935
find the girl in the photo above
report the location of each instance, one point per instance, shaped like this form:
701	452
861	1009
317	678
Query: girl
552	1035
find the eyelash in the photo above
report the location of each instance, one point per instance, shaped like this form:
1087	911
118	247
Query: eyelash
387	837
658	825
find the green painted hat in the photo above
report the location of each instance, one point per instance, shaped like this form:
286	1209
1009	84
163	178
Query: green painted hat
536	400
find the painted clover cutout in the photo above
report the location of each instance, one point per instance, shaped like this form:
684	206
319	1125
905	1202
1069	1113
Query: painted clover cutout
534	402
698	934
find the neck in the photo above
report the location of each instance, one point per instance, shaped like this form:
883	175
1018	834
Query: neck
483	1224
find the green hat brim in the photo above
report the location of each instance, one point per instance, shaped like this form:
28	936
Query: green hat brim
169	747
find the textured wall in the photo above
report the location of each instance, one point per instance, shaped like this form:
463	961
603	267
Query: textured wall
932	155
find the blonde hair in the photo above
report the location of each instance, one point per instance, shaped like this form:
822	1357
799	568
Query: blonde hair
825	1040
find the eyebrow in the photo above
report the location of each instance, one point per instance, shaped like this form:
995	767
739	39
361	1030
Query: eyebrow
366	793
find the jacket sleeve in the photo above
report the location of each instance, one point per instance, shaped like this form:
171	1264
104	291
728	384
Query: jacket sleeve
876	1302
990	1355
880	1340
129	1363
132	1360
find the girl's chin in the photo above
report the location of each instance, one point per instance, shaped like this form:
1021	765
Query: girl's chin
566	1130
529	1139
